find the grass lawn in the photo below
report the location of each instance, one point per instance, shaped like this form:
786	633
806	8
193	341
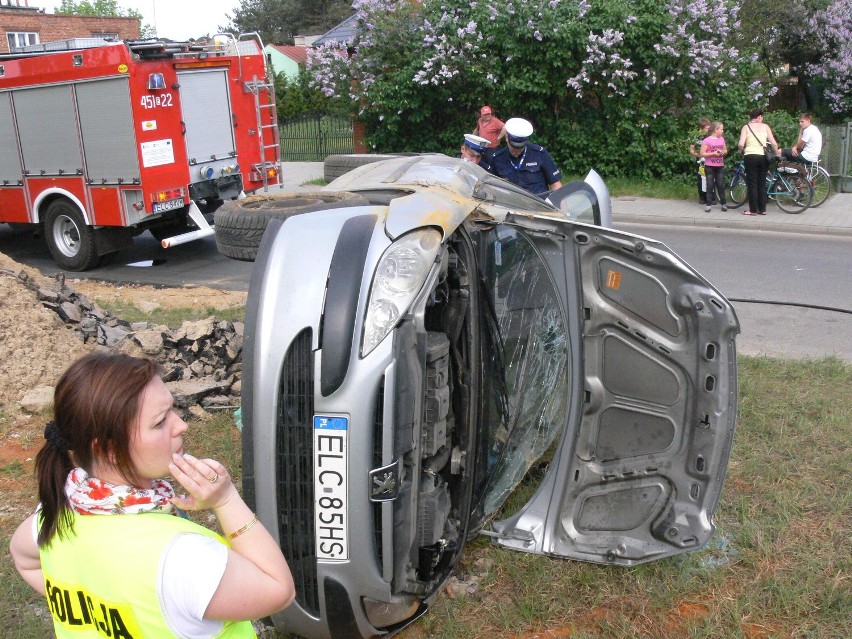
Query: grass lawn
778	567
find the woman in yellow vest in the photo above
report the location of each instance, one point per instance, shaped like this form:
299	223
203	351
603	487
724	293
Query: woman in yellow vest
108	546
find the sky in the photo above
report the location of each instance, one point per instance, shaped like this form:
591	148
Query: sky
183	19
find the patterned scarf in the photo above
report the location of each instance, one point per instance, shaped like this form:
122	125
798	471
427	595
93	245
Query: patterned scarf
92	496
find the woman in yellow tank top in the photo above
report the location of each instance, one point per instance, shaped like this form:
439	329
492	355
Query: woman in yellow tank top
753	138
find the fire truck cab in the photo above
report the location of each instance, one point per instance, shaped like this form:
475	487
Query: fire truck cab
104	140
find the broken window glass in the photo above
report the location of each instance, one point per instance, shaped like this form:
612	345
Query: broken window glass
526	364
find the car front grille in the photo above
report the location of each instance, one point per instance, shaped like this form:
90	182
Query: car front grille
295	473
378	431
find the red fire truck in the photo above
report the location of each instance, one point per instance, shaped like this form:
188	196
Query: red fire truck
104	140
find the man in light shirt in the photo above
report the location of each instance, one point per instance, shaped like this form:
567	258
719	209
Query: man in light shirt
808	146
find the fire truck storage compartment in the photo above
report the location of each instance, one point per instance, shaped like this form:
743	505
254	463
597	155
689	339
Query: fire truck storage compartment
106	123
206	109
47	128
13	205
210	145
50	138
10	163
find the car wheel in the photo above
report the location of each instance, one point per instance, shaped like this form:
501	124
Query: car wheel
240	224
70	240
336	165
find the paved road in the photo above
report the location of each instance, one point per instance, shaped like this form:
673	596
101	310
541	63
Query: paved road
771	329
780	267
193	264
781	285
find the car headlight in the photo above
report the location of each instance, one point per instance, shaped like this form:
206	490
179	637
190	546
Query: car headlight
383	614
399	276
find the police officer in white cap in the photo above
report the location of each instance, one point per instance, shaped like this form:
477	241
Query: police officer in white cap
523	163
473	150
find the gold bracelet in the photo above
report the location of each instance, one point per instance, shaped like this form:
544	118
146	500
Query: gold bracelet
239	532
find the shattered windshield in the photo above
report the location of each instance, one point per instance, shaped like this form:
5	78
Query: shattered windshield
525	351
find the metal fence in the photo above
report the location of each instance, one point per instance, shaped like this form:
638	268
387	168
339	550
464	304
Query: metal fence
312	137
837	154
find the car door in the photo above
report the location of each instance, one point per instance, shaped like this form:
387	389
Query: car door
587	201
638	467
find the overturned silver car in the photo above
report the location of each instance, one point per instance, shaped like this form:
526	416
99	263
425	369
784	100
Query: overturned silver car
408	360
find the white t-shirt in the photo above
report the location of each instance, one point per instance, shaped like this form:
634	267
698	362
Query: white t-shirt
812	137
190	571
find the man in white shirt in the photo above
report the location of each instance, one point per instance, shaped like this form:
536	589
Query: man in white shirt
808	146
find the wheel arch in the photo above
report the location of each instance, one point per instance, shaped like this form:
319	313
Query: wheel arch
49	196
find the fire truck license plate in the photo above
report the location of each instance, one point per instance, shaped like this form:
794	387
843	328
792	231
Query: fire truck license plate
168	205
330	508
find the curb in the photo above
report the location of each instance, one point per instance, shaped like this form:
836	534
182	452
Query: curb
832	219
735	225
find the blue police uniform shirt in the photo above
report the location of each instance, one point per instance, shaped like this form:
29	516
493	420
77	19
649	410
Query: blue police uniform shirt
534	170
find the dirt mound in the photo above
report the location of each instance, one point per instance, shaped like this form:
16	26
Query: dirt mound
147	297
36	345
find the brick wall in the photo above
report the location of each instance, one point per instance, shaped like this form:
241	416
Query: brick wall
360	135
52	27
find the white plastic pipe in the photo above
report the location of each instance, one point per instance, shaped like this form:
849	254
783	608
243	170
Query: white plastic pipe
187	237
204	229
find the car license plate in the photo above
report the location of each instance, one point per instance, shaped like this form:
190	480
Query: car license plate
168	205
330	508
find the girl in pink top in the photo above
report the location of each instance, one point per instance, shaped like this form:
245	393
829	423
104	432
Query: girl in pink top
714	150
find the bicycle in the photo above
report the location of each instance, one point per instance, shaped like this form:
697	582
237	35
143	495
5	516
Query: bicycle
820	181
787	186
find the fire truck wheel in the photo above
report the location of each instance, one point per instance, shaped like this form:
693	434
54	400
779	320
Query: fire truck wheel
240	224
70	240
336	165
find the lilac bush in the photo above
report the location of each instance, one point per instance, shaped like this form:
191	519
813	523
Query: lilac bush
832	30
608	84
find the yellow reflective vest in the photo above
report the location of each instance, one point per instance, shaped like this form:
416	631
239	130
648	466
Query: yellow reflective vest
101	581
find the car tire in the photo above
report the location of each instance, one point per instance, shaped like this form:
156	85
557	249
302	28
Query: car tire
336	165
71	241
240	224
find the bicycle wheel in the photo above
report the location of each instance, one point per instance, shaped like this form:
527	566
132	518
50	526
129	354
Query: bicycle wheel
794	193
737	189
821	183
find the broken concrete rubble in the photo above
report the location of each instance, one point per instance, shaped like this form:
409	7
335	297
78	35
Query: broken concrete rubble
202	360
